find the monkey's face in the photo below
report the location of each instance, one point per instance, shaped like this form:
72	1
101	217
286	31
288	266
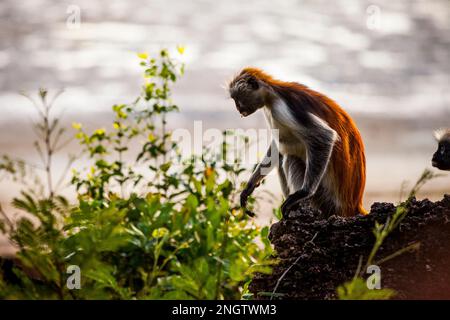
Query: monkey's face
247	93
441	158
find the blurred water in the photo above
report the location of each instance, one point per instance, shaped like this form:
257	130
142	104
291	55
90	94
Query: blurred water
387	63
401	67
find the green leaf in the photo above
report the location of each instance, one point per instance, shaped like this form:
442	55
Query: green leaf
357	290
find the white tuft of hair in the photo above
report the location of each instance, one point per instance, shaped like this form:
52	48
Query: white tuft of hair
442	134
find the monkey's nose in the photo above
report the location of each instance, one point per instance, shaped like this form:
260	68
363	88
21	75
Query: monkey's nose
239	107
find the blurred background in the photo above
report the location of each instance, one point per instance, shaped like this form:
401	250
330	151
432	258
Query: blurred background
386	62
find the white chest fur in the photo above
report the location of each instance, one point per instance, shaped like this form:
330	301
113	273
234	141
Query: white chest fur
286	129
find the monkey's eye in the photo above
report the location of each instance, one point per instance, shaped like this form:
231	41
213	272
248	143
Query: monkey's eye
253	83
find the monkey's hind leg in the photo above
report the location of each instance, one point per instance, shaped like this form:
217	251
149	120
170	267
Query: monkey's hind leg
294	173
282	177
324	201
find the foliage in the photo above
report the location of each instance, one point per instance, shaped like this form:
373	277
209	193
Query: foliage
357	290
146	224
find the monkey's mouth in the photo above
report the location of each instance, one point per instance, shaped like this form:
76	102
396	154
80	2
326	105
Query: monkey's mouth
245	113
440	165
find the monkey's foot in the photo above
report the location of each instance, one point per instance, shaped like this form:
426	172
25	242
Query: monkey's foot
291	201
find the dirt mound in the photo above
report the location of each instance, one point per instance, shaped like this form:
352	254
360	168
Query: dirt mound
328	251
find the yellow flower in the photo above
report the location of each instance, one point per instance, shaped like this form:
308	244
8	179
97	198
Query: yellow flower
159	233
117	125
143	55
151	137
100	132
76	125
180	49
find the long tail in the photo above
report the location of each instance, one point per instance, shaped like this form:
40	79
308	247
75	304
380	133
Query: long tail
362	210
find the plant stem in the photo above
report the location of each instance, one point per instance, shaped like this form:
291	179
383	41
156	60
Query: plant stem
48	149
411	247
221	257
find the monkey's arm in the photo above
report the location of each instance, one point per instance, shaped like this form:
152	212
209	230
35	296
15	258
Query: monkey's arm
269	162
319	146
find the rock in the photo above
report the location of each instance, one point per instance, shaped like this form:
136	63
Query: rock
323	253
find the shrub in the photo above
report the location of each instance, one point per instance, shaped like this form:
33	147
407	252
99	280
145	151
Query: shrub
146	224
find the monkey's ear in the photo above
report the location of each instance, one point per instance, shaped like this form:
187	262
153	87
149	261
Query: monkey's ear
253	83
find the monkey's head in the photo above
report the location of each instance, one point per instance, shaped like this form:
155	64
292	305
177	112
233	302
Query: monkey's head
248	92
441	158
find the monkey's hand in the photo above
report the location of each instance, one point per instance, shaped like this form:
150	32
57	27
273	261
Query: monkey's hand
244	197
291	200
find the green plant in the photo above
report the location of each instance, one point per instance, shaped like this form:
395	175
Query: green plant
357	290
146	224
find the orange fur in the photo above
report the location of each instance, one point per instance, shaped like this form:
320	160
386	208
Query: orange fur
347	163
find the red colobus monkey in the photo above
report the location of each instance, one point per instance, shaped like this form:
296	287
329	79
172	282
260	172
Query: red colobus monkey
320	151
441	158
